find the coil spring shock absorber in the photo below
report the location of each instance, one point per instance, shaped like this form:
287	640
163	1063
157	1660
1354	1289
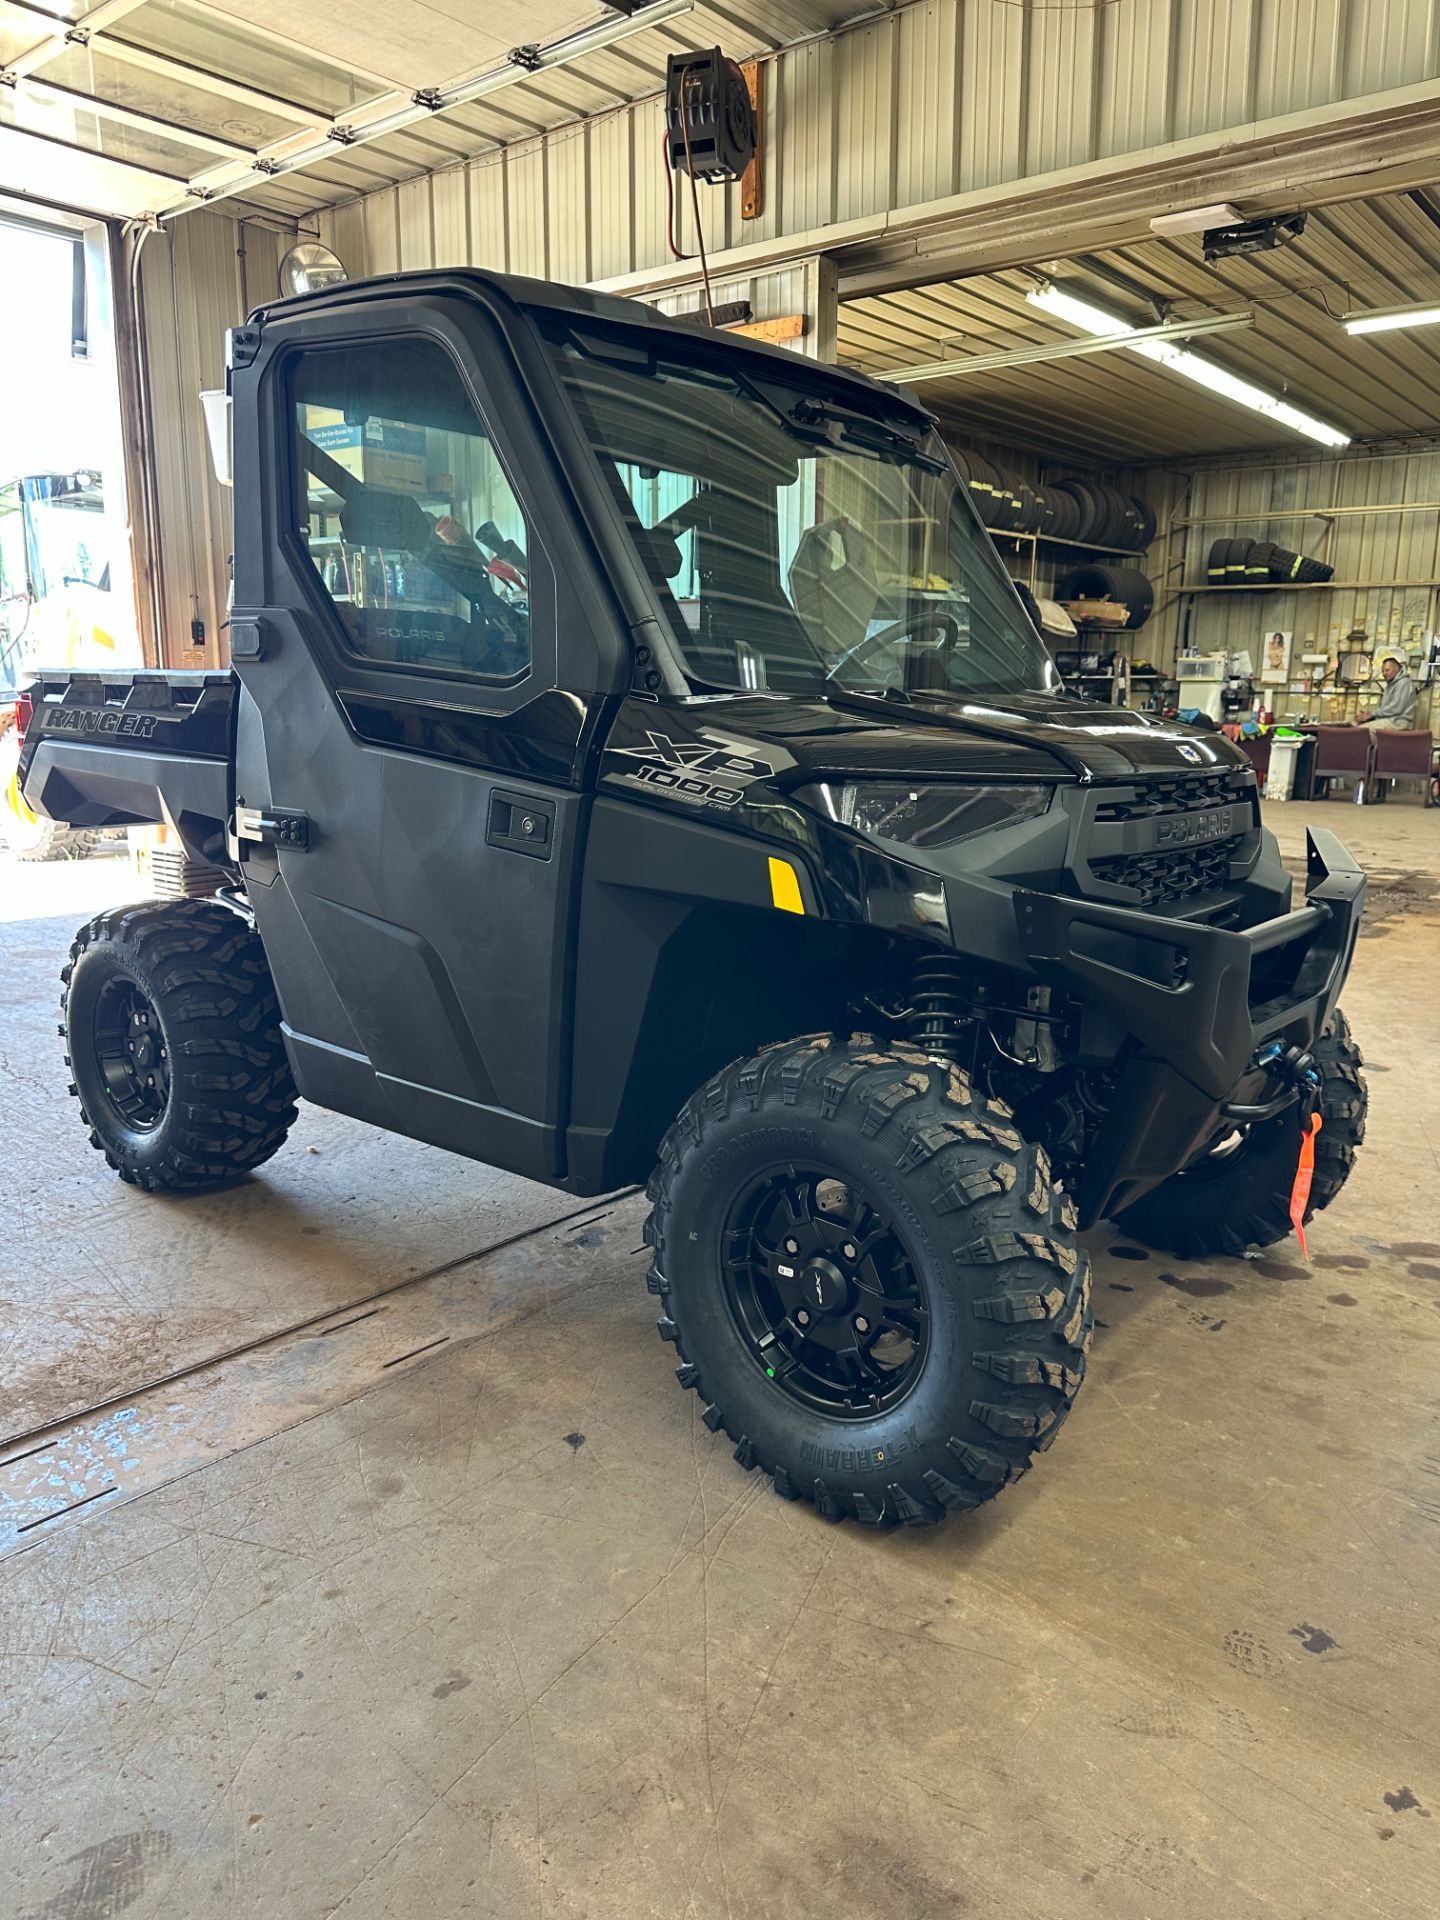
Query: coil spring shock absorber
939	1006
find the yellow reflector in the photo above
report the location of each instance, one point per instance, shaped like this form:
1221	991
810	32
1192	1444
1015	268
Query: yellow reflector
785	886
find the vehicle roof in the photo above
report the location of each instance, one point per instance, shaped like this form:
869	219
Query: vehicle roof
587	303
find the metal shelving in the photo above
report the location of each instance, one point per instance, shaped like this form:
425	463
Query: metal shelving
1261	515
1303	586
1049	540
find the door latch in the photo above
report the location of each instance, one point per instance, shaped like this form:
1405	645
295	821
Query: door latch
273	826
521	824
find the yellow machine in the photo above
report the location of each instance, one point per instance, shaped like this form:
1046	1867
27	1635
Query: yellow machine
57	609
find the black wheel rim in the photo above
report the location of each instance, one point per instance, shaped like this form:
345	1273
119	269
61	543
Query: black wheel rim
133	1055
823	1292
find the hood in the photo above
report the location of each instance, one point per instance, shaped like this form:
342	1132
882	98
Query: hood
1019	736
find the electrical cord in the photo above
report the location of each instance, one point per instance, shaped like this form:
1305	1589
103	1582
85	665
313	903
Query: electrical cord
695	207
670	198
694	202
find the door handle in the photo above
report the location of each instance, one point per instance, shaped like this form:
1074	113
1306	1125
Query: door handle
521	824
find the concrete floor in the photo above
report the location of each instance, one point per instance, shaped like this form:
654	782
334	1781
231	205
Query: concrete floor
503	1630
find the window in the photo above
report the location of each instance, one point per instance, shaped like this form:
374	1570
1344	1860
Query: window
796	534
407	514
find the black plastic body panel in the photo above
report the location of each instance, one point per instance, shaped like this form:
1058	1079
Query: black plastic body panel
683	964
1198	1002
119	786
171	714
125	749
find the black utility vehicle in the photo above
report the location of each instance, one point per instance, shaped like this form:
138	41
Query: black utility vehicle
635	753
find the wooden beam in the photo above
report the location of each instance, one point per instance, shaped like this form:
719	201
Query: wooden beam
790	326
752	181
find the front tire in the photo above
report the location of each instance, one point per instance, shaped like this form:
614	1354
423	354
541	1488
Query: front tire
869	1279
172	1037
1234	1200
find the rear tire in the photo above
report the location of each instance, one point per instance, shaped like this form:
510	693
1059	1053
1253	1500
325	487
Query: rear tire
1241	1200
172	1037
892	1165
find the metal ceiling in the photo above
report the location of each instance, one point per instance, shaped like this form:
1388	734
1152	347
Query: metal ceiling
137	107
1116	408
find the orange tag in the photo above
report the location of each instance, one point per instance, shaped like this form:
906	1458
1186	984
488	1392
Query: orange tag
1304	1174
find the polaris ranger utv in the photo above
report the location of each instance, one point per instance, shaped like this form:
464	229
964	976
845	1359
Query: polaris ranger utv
636	765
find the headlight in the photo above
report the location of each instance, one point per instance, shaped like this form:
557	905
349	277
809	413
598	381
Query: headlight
932	816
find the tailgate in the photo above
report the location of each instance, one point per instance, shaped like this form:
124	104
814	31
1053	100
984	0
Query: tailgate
114	750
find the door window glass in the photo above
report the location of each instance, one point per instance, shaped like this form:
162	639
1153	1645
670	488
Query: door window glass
407	514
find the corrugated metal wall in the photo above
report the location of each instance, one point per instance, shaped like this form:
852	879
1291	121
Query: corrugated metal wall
194	283
1391	559
938	98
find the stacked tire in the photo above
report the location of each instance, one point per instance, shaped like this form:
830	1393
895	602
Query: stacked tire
1089	512
1125	585
1254	563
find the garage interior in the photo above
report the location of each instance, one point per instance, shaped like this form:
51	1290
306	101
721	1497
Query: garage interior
357	1554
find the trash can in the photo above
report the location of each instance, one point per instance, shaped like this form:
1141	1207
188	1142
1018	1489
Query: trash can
1280	780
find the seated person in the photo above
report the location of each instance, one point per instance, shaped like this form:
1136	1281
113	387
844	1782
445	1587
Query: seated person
1396	711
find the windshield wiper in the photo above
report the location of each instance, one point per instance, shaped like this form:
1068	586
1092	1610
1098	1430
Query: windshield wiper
808	417
872	690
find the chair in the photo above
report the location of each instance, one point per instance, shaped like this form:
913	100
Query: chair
1342	753
1405	756
1256	749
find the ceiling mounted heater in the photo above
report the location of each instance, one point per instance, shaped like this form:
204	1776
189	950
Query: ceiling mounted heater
1253	236
709	118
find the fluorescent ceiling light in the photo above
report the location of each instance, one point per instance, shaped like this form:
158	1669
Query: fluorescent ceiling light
1396	317
1076	312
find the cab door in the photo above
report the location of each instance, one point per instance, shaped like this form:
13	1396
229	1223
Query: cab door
425	652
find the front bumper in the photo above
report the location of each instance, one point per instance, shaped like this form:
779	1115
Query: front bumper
1197	1003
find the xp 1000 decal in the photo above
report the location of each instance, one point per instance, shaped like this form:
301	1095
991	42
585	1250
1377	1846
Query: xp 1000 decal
705	776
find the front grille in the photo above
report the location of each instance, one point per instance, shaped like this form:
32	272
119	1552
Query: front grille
1150	837
1178	793
1171	874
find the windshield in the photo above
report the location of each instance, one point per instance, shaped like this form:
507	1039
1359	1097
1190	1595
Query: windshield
66	532
795	540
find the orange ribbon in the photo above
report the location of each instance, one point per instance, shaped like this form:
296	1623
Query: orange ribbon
1304	1174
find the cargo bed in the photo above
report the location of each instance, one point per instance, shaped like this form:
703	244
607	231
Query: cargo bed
123	749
